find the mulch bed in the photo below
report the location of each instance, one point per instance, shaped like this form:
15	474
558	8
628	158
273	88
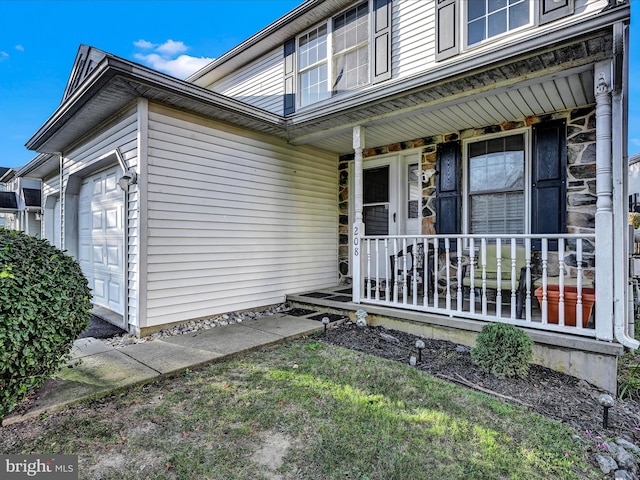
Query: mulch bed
550	393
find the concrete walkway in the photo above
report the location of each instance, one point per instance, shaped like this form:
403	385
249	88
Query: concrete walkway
97	368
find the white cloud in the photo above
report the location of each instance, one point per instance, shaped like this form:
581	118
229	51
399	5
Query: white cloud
180	67
144	44
171	48
3	55
165	58
20	48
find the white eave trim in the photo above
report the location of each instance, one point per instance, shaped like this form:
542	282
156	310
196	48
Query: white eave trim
112	67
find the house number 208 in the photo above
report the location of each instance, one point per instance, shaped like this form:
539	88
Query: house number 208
356	241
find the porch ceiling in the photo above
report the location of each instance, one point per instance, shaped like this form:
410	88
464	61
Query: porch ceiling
549	94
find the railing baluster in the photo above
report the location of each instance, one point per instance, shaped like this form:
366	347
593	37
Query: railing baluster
395	270
404	270
427	272
459	273
447	259
527	249
499	277
483	259
387	281
435	272
472	274
545	296
414	283
514	268
367	294
561	282
377	270
579	283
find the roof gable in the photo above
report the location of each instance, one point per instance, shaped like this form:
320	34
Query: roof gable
86	60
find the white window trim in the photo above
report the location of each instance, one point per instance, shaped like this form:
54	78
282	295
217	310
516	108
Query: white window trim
527	175
533	12
330	55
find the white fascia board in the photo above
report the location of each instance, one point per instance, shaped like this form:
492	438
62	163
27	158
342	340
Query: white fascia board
111	67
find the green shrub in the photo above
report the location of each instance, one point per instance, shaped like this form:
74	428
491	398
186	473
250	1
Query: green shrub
503	350
45	304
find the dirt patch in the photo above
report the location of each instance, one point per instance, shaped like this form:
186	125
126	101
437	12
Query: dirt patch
550	393
271	452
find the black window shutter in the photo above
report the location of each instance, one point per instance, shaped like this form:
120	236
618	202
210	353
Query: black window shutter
448	188
447	26
381	26
554	9
549	171
289	77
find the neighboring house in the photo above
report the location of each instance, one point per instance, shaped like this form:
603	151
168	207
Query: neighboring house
634	183
334	145
6	202
20	204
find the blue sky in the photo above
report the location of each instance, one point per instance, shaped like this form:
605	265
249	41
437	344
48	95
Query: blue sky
39	41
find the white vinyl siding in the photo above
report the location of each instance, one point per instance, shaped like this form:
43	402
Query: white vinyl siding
412	37
236	220
259	83
120	133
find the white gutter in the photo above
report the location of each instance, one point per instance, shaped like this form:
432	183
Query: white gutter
620	179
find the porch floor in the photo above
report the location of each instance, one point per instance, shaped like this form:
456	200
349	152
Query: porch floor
340	299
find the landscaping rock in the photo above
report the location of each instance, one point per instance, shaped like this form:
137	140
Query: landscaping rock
624	475
606	463
389	338
627	445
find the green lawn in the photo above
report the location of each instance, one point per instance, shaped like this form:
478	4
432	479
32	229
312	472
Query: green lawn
305	410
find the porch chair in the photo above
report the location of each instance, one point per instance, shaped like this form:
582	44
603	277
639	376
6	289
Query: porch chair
491	270
398	269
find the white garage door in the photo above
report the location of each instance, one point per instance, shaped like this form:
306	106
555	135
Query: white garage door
101	241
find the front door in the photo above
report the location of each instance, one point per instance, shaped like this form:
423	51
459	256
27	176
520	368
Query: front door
391	202
391	195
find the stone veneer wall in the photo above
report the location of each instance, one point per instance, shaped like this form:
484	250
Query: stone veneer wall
581	181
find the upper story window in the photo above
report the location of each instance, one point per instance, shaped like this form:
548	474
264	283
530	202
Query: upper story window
334	57
313	65
468	23
491	18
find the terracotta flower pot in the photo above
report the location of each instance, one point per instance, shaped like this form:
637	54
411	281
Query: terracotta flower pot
570	301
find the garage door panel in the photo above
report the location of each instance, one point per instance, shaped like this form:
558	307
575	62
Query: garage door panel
101	242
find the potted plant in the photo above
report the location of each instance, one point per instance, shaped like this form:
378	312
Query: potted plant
570	303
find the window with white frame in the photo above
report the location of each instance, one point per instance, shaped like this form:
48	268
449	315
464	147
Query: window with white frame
491	18
496	172
334	57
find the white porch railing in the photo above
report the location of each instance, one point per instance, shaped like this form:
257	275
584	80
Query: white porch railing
543	282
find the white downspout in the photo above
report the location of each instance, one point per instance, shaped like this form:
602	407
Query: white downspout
358	224
620	192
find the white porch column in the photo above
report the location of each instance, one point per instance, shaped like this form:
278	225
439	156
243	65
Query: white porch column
604	210
358	224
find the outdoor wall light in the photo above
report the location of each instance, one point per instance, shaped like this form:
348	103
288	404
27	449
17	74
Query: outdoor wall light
425	175
129	178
